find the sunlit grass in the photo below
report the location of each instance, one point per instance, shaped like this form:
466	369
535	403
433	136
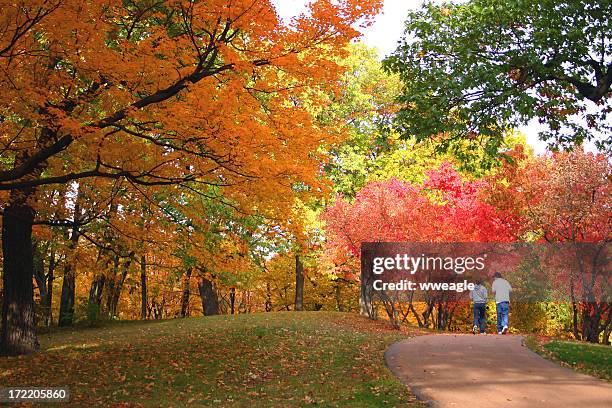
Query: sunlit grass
593	359
258	360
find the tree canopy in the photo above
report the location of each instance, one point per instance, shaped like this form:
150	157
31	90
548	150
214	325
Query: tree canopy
474	69
108	107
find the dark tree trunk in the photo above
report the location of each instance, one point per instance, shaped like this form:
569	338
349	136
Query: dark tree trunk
591	322
427	314
49	301
66	314
416	315
39	270
44	281
366	303
339	297
157	309
607	326
575	321
40	277
233	300
143	287
110	285
210	302
574	309
299	284
186	293
18	334
96	290
118	287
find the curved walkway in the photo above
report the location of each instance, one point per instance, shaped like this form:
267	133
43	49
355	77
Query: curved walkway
490	371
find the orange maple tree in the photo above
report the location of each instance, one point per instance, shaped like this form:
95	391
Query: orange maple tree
214	93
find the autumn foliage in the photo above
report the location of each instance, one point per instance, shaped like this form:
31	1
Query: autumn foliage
566	198
173	158
119	118
445	208
559	198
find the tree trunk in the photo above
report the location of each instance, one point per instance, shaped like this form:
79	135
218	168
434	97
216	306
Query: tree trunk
66	315
366	303
186	293
268	297
233	300
427	314
591	322
416	315
96	290
40	277
44	281
299	284
574	309
607	328
210	302
118	287
110	286
18	334
339	297
39	270
50	276
143	287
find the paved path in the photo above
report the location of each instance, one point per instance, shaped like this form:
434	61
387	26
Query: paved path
490	371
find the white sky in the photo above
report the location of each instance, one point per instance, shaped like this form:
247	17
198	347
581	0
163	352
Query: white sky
384	35
385	32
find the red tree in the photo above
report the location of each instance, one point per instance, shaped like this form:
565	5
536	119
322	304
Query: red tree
446	208
566	198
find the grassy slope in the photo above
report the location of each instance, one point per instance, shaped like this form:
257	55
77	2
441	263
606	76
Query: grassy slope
593	359
259	360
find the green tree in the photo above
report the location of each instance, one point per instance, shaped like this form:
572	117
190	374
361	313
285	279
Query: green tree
373	151
364	108
473	70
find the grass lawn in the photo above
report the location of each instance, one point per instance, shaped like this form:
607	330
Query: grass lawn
593	359
259	360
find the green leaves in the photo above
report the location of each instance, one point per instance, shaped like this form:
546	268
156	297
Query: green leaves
476	69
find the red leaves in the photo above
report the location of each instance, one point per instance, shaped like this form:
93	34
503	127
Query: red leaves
563	197
445	208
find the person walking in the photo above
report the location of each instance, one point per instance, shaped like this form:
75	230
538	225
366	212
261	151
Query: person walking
501	288
479	296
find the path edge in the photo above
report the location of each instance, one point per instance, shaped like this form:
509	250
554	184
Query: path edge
416	391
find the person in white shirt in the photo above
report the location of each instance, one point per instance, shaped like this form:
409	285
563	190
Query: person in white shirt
501	288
